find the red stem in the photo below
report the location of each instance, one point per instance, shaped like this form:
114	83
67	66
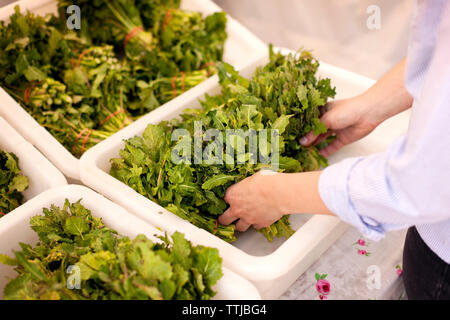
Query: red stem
85	140
167	19
174	85
133	33
111	116
76	140
215	228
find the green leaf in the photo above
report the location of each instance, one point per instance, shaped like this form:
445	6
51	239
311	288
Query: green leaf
181	251
167	289
147	263
97	260
19	288
281	123
290	165
7	260
32	268
217	180
316	98
302	95
76	226
208	263
19	183
319	127
34	74
198	280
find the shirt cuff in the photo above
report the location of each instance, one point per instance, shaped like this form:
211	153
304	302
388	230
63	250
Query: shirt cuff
334	191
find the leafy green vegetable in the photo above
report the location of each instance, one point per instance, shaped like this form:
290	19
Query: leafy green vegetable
130	57
110	266
12	183
284	95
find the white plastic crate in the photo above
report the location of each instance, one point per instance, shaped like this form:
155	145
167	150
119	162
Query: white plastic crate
241	49
15	228
42	175
272	267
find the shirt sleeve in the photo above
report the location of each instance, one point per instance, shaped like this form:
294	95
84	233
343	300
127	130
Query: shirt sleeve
343	189
409	183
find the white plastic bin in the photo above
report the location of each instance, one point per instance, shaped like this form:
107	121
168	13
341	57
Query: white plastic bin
42	175
241	49
15	228
272	267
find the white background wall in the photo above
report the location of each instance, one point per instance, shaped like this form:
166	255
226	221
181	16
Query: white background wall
335	30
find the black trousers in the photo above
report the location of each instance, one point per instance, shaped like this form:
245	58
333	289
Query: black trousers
425	275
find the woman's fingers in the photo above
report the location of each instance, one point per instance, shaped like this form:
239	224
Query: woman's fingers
309	139
228	217
323	136
327	119
242	226
332	148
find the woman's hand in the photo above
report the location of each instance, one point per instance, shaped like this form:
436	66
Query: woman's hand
254	202
348	119
265	197
353	119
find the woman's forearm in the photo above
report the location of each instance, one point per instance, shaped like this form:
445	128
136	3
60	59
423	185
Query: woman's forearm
299	193
263	198
388	96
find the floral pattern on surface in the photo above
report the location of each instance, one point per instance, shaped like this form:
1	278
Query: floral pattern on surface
362	243
362	252
399	270
322	286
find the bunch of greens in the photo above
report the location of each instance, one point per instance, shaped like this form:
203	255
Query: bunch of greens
285	95
128	58
110	266
12	183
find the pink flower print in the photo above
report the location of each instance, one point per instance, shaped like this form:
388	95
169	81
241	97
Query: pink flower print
363	252
361	242
399	270
322	286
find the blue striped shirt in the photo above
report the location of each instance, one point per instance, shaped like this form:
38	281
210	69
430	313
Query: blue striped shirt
408	184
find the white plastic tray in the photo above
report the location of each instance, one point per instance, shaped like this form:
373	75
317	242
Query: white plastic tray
15	228
241	49
272	267
42	175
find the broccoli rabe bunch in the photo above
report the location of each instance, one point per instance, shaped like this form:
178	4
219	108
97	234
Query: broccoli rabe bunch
282	97
79	258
